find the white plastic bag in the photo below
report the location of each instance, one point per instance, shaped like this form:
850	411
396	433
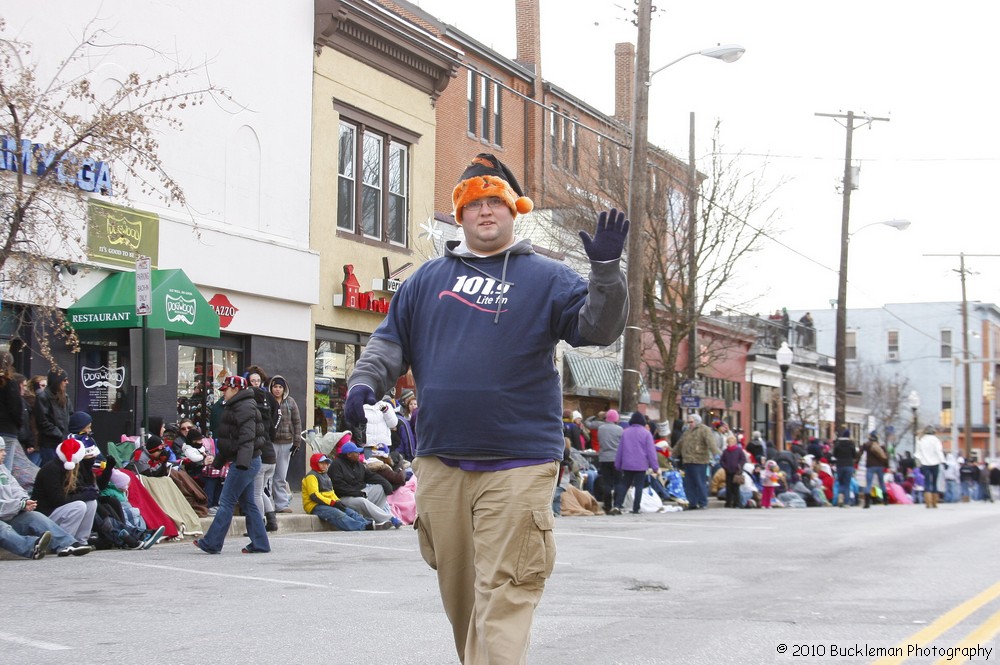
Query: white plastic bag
649	503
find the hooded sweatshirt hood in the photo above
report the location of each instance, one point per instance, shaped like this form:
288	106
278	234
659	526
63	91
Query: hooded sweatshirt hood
280	380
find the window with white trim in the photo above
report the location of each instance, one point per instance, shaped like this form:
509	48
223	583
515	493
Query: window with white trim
892	345
373	184
851	345
470	91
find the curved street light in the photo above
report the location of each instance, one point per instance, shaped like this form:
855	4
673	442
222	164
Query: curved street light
898	224
723	52
632	341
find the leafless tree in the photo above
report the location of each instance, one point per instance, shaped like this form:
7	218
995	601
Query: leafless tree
732	220
885	396
59	130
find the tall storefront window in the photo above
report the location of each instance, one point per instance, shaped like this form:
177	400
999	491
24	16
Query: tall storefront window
199	373
333	364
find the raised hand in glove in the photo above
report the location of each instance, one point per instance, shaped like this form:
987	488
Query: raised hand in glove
609	239
354	405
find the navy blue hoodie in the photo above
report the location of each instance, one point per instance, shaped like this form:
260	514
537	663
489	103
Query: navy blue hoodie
480	334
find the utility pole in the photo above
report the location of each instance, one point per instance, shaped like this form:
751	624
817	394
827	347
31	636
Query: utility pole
840	367
966	369
692	360
638	177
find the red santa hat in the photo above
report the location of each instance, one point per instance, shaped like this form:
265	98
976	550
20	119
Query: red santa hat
71	452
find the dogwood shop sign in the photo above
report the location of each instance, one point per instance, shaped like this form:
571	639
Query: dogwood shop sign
38	159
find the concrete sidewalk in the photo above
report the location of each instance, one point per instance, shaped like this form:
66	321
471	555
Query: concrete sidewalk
295	522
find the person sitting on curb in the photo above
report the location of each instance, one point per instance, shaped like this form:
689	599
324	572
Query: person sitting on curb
23	530
361	488
319	499
152	459
64	493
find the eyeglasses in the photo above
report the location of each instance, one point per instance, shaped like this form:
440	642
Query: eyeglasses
494	202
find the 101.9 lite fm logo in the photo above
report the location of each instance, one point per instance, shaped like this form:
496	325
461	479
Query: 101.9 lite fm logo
181	309
102	377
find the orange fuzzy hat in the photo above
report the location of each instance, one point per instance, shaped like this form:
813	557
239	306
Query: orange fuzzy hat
486	176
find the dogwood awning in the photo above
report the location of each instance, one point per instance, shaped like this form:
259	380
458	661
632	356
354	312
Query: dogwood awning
178	307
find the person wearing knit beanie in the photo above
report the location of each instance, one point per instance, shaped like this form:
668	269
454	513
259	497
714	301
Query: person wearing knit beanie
480	325
78	421
612	416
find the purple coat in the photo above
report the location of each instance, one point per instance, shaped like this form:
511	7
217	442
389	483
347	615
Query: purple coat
733	458
636	451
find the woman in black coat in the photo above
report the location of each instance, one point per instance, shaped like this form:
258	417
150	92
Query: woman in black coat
240	438
52	414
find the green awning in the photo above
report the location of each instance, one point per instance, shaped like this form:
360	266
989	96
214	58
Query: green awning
178	307
595	377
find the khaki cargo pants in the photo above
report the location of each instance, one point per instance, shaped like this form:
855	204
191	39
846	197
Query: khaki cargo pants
489	537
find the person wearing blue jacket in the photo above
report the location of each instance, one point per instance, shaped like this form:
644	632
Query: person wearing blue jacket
478	327
635	456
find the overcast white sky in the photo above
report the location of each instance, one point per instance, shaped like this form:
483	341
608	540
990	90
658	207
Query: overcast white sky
928	66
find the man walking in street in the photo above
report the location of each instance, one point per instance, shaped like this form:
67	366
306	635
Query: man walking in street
696	449
479	327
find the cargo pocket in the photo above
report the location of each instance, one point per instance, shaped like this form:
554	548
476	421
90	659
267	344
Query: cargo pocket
424	539
538	548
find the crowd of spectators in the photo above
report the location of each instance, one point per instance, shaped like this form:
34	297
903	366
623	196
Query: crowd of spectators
701	461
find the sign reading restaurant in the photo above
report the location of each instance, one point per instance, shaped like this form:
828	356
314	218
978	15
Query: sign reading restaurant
99	317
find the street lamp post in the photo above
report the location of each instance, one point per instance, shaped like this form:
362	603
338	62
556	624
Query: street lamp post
840	352
784	356
638	185
913	400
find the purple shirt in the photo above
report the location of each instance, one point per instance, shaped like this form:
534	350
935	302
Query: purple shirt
636	452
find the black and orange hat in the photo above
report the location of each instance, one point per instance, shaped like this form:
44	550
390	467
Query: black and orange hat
486	176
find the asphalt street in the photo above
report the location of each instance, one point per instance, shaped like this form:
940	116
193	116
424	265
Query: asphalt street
710	586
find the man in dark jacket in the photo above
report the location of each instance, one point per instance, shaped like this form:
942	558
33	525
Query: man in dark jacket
844	452
360	488
241	437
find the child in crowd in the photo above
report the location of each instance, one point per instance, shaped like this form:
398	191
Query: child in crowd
770	480
319	499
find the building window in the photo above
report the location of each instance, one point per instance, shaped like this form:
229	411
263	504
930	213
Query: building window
851	345
554	134
484	102
892	345
375	204
471	93
346	177
946	344
574	150
396	219
497	115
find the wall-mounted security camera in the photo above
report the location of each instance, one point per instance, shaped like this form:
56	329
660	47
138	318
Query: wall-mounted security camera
62	268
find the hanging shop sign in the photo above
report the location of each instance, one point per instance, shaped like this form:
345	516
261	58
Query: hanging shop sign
38	159
354	298
119	236
390	278
367	301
